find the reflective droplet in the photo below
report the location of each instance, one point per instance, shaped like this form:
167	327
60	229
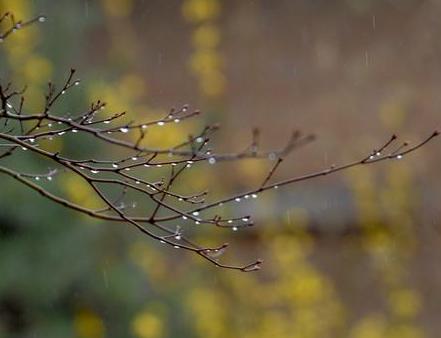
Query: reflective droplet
124	130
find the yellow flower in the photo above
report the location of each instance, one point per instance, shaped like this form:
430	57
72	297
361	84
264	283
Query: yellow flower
118	8
148	325
206	36
200	10
88	325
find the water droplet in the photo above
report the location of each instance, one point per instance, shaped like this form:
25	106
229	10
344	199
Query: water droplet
196	213
42	19
161	123
399	157
114	165
200	140
230	221
93	171
378	153
234	228
134	158
178	237
24	148
37	178
177	120
245	219
144	126
237	199
254	195
184	217
212	160
74	131
124	130
49	178
176	247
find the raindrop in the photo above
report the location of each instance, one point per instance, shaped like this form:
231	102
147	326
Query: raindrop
176	247
160	123
212	160
196	213
114	165
74	131
200	140
49	178
124	130
237	199
93	171
234	228
42	19
24	148
134	158
399	157
37	178
254	195
245	219
178	237
177	120
184	217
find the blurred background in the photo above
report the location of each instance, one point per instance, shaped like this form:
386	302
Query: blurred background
355	254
